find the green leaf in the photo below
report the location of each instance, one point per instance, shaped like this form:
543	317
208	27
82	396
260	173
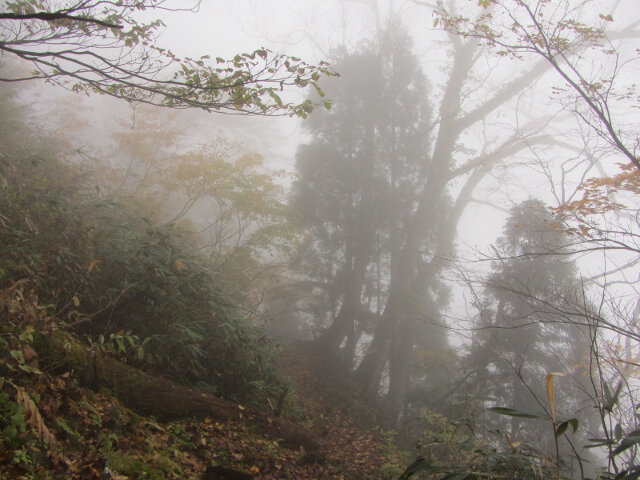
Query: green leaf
607	395
516	413
611	400
562	428
627	442
61	422
27	335
599	442
17	355
275	97
574	424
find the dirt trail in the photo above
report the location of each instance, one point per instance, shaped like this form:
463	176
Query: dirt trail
362	449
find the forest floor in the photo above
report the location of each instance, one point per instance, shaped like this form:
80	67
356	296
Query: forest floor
334	416
63	430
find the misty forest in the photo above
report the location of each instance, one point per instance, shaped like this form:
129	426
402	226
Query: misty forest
306	239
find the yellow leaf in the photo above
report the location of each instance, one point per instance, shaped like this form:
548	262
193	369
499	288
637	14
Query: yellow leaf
76	301
548	380
254	469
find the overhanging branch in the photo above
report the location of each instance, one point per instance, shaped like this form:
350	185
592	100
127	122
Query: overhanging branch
54	16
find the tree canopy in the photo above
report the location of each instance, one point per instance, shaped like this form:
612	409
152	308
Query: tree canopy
559	33
101	46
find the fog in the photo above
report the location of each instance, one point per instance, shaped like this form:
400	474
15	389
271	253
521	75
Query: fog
454	221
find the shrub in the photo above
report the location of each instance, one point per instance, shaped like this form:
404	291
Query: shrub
127	281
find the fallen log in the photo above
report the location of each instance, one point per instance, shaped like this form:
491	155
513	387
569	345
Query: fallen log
157	396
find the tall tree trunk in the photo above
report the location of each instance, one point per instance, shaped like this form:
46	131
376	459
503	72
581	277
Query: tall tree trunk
362	241
399	366
349	352
394	317
370	370
332	337
400	363
423	224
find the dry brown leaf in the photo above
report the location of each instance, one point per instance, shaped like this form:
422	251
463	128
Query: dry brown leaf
33	417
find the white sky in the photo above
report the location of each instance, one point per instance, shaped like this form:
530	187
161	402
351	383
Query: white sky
309	29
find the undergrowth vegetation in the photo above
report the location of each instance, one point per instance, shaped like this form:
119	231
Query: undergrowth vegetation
53	428
126	283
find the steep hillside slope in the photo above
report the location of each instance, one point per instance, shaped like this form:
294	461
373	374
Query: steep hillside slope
55	426
70	432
